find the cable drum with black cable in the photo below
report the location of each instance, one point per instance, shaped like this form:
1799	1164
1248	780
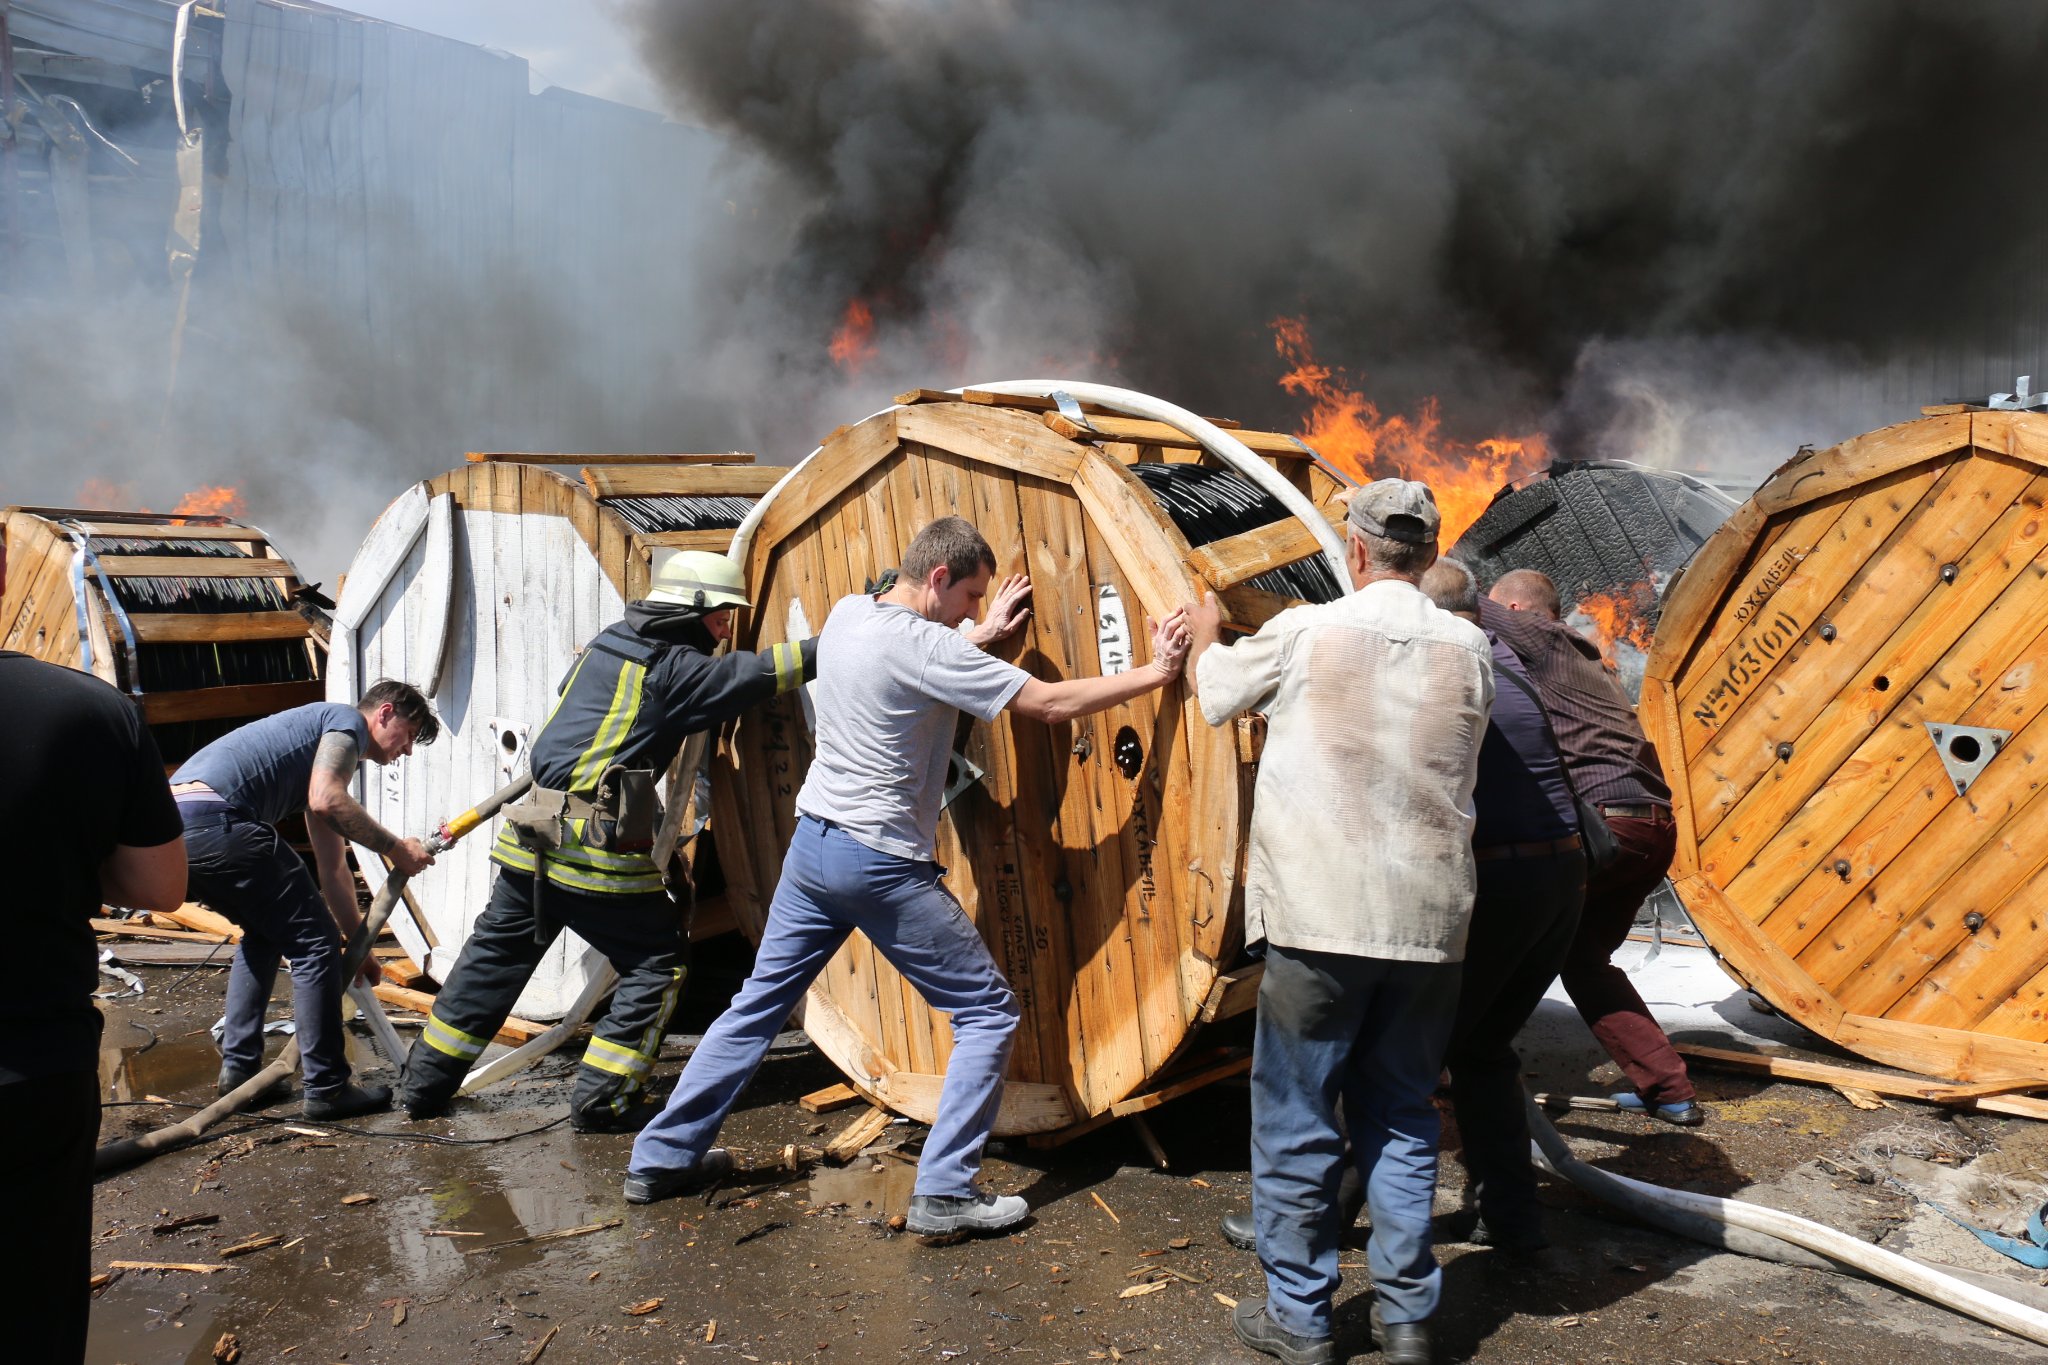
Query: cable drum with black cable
1207	505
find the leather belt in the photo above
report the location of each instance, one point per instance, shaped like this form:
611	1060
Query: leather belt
1542	848
1641	811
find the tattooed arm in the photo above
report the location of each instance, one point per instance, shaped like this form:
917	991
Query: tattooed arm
328	800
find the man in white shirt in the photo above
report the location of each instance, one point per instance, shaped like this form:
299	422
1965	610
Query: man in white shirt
1360	882
894	674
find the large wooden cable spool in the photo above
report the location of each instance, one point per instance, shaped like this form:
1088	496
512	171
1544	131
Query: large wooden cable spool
199	618
1102	859
480	587
1847	690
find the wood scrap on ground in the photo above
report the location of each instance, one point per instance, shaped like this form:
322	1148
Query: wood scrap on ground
1992	1098
855	1136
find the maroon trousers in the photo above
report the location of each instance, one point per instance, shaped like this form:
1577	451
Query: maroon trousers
1606	998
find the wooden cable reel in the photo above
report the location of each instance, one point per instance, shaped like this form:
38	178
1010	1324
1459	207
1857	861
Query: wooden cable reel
1102	859
1847	690
480	587
197	617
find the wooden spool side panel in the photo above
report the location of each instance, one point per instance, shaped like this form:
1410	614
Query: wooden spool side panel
1056	878
39	607
1843	864
524	595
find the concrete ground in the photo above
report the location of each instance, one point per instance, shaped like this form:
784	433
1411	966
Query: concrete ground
784	1267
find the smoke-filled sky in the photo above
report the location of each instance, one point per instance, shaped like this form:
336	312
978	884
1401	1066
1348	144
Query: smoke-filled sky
1695	234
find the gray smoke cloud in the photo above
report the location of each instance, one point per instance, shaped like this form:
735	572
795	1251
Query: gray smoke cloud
1697	234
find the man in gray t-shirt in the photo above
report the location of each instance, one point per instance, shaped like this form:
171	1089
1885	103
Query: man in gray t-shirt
894	674
230	795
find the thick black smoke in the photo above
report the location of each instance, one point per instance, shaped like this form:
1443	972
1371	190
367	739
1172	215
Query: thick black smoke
1697	232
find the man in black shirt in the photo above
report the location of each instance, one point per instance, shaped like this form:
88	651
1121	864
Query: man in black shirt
85	818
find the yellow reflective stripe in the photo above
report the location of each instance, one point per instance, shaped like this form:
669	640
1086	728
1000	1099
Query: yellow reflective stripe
571	877
789	667
650	1041
616	1058
445	1038
611	732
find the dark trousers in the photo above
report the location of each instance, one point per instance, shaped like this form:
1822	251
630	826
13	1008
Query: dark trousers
48	1127
1607	999
246	871
642	936
1523	922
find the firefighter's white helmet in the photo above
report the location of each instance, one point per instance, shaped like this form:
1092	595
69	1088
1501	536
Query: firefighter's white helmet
698	578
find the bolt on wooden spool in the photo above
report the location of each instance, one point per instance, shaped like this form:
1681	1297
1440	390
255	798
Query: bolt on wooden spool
1102	859
1847	690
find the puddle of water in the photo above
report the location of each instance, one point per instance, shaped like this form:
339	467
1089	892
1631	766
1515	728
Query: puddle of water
499	1215
133	1064
871	1189
141	1318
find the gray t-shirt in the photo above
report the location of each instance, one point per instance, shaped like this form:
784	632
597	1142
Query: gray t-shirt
264	768
889	683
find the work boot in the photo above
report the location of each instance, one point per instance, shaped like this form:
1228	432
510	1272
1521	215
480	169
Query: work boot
1684	1114
1239	1231
346	1101
1519	1239
1401	1343
602	1118
232	1080
935	1215
654	1186
1258	1331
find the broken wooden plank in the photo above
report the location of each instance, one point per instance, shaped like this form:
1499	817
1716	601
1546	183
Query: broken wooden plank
830	1098
1876	1082
194	1267
855	1136
538	457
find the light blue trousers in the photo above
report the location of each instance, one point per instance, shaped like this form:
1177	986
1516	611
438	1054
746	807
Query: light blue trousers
1369	1034
832	884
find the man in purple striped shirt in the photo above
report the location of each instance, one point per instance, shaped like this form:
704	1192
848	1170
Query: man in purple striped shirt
1613	766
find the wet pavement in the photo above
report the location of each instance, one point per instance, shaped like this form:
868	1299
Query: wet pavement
392	1249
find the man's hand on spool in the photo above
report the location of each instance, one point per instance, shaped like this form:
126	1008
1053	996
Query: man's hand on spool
1008	609
1170	641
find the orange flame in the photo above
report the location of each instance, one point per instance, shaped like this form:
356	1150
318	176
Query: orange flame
217	500
1618	617
853	345
1349	430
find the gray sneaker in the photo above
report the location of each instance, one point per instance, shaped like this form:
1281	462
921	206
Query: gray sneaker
655	1186
938	1214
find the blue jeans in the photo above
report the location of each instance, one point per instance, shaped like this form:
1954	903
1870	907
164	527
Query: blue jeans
241	868
1372	1034
832	884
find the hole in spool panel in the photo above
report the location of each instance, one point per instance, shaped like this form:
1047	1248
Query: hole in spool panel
1964	748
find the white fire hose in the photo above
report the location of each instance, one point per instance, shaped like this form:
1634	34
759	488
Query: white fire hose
1754	1230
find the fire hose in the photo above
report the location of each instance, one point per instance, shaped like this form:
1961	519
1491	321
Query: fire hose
129	1151
1755	1230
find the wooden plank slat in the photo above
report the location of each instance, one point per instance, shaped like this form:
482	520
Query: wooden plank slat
531	457
221	703
853	455
1761	962
1169	437
684	481
1984	1099
1228	562
174	531
1008	440
715	541
1861	460
212	627
194	566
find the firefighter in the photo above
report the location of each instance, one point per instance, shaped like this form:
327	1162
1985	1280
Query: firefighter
580	851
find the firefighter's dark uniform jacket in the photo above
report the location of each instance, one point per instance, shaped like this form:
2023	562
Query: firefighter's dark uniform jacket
640	688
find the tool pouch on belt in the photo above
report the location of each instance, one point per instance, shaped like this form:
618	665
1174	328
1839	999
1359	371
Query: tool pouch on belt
540	823
626	811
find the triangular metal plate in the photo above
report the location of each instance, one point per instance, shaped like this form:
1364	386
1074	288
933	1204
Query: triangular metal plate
1966	750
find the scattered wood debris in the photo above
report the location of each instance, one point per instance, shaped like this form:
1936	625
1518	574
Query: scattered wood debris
644	1307
540	1346
190	1220
558	1235
1104	1206
362	1197
195	1267
268	1239
1139	1290
228	1349
855	1136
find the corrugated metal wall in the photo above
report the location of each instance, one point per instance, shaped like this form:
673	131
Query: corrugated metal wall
382	167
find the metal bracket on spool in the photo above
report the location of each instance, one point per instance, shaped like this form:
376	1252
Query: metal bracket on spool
1966	750
964	773
2019	399
1071	410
